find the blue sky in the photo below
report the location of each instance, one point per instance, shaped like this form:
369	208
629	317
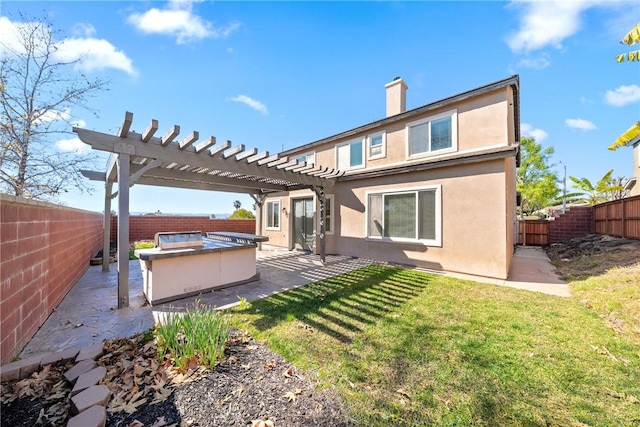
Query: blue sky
274	75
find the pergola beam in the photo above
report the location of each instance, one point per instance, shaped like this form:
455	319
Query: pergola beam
133	145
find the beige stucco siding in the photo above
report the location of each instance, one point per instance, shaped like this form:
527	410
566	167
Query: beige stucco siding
481	122
473	225
636	170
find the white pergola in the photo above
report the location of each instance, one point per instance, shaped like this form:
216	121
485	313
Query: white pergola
142	158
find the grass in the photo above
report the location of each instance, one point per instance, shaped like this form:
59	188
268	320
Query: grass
197	336
142	244
406	348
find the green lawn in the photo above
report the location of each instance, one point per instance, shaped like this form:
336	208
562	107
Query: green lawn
405	348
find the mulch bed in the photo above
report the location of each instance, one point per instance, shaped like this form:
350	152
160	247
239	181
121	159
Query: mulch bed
251	385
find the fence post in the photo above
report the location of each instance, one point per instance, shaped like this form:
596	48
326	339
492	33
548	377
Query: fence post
624	228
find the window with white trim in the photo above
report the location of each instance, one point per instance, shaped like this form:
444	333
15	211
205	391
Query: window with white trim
273	215
377	145
328	207
350	155
406	216
308	158
432	134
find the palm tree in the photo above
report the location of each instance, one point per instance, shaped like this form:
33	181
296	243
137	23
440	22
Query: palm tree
603	191
631	38
237	204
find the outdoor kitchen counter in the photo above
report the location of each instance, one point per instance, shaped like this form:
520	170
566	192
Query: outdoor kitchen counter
209	246
174	273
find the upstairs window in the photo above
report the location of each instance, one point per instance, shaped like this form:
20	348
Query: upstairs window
308	158
350	155
432	134
273	215
377	145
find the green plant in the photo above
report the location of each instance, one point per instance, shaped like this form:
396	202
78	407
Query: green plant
243	303
198	335
141	244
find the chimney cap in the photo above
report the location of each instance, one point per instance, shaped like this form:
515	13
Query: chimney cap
397	78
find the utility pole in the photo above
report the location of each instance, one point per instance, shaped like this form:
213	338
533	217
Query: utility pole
564	191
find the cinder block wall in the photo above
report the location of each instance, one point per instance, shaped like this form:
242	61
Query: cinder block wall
576	221
44	250
144	227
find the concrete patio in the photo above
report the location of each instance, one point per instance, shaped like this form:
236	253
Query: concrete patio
88	313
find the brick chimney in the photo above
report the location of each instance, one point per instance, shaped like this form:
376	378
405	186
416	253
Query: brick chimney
396	97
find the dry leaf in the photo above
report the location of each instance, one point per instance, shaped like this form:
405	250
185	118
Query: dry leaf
261	423
404	393
160	422
288	373
292	395
270	365
161	395
136	423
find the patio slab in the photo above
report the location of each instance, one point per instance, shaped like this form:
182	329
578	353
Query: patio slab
88	314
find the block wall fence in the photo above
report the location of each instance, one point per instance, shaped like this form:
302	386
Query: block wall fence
144	227
575	222
44	250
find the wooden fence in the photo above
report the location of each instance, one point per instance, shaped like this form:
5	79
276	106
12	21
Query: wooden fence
619	218
533	232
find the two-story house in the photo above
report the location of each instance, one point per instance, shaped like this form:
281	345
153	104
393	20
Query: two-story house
433	187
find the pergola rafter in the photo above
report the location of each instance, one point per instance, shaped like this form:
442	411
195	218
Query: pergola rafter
186	163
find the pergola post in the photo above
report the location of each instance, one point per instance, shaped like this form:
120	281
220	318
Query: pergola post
123	230
322	200
106	239
259	199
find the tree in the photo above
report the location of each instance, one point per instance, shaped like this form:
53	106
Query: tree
604	190
536	183
38	88
631	38
237	204
241	214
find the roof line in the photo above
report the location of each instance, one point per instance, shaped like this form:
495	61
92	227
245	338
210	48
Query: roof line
513	81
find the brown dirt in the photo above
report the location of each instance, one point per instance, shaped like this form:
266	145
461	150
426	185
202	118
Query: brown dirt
592	255
250	385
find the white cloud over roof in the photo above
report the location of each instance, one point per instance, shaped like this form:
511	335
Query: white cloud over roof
580	124
178	20
529	131
256	105
622	95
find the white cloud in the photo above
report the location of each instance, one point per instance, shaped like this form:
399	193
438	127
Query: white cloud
95	54
548	23
545	23
256	105
179	21
538	63
581	124
623	95
91	53
529	131
73	145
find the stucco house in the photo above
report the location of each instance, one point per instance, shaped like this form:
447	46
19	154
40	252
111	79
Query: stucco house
433	187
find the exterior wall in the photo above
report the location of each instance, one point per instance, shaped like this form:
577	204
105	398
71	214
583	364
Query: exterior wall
478	198
473	225
144	227
44	250
481	123
635	191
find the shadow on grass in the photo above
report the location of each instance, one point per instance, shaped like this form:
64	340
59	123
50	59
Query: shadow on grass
340	306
